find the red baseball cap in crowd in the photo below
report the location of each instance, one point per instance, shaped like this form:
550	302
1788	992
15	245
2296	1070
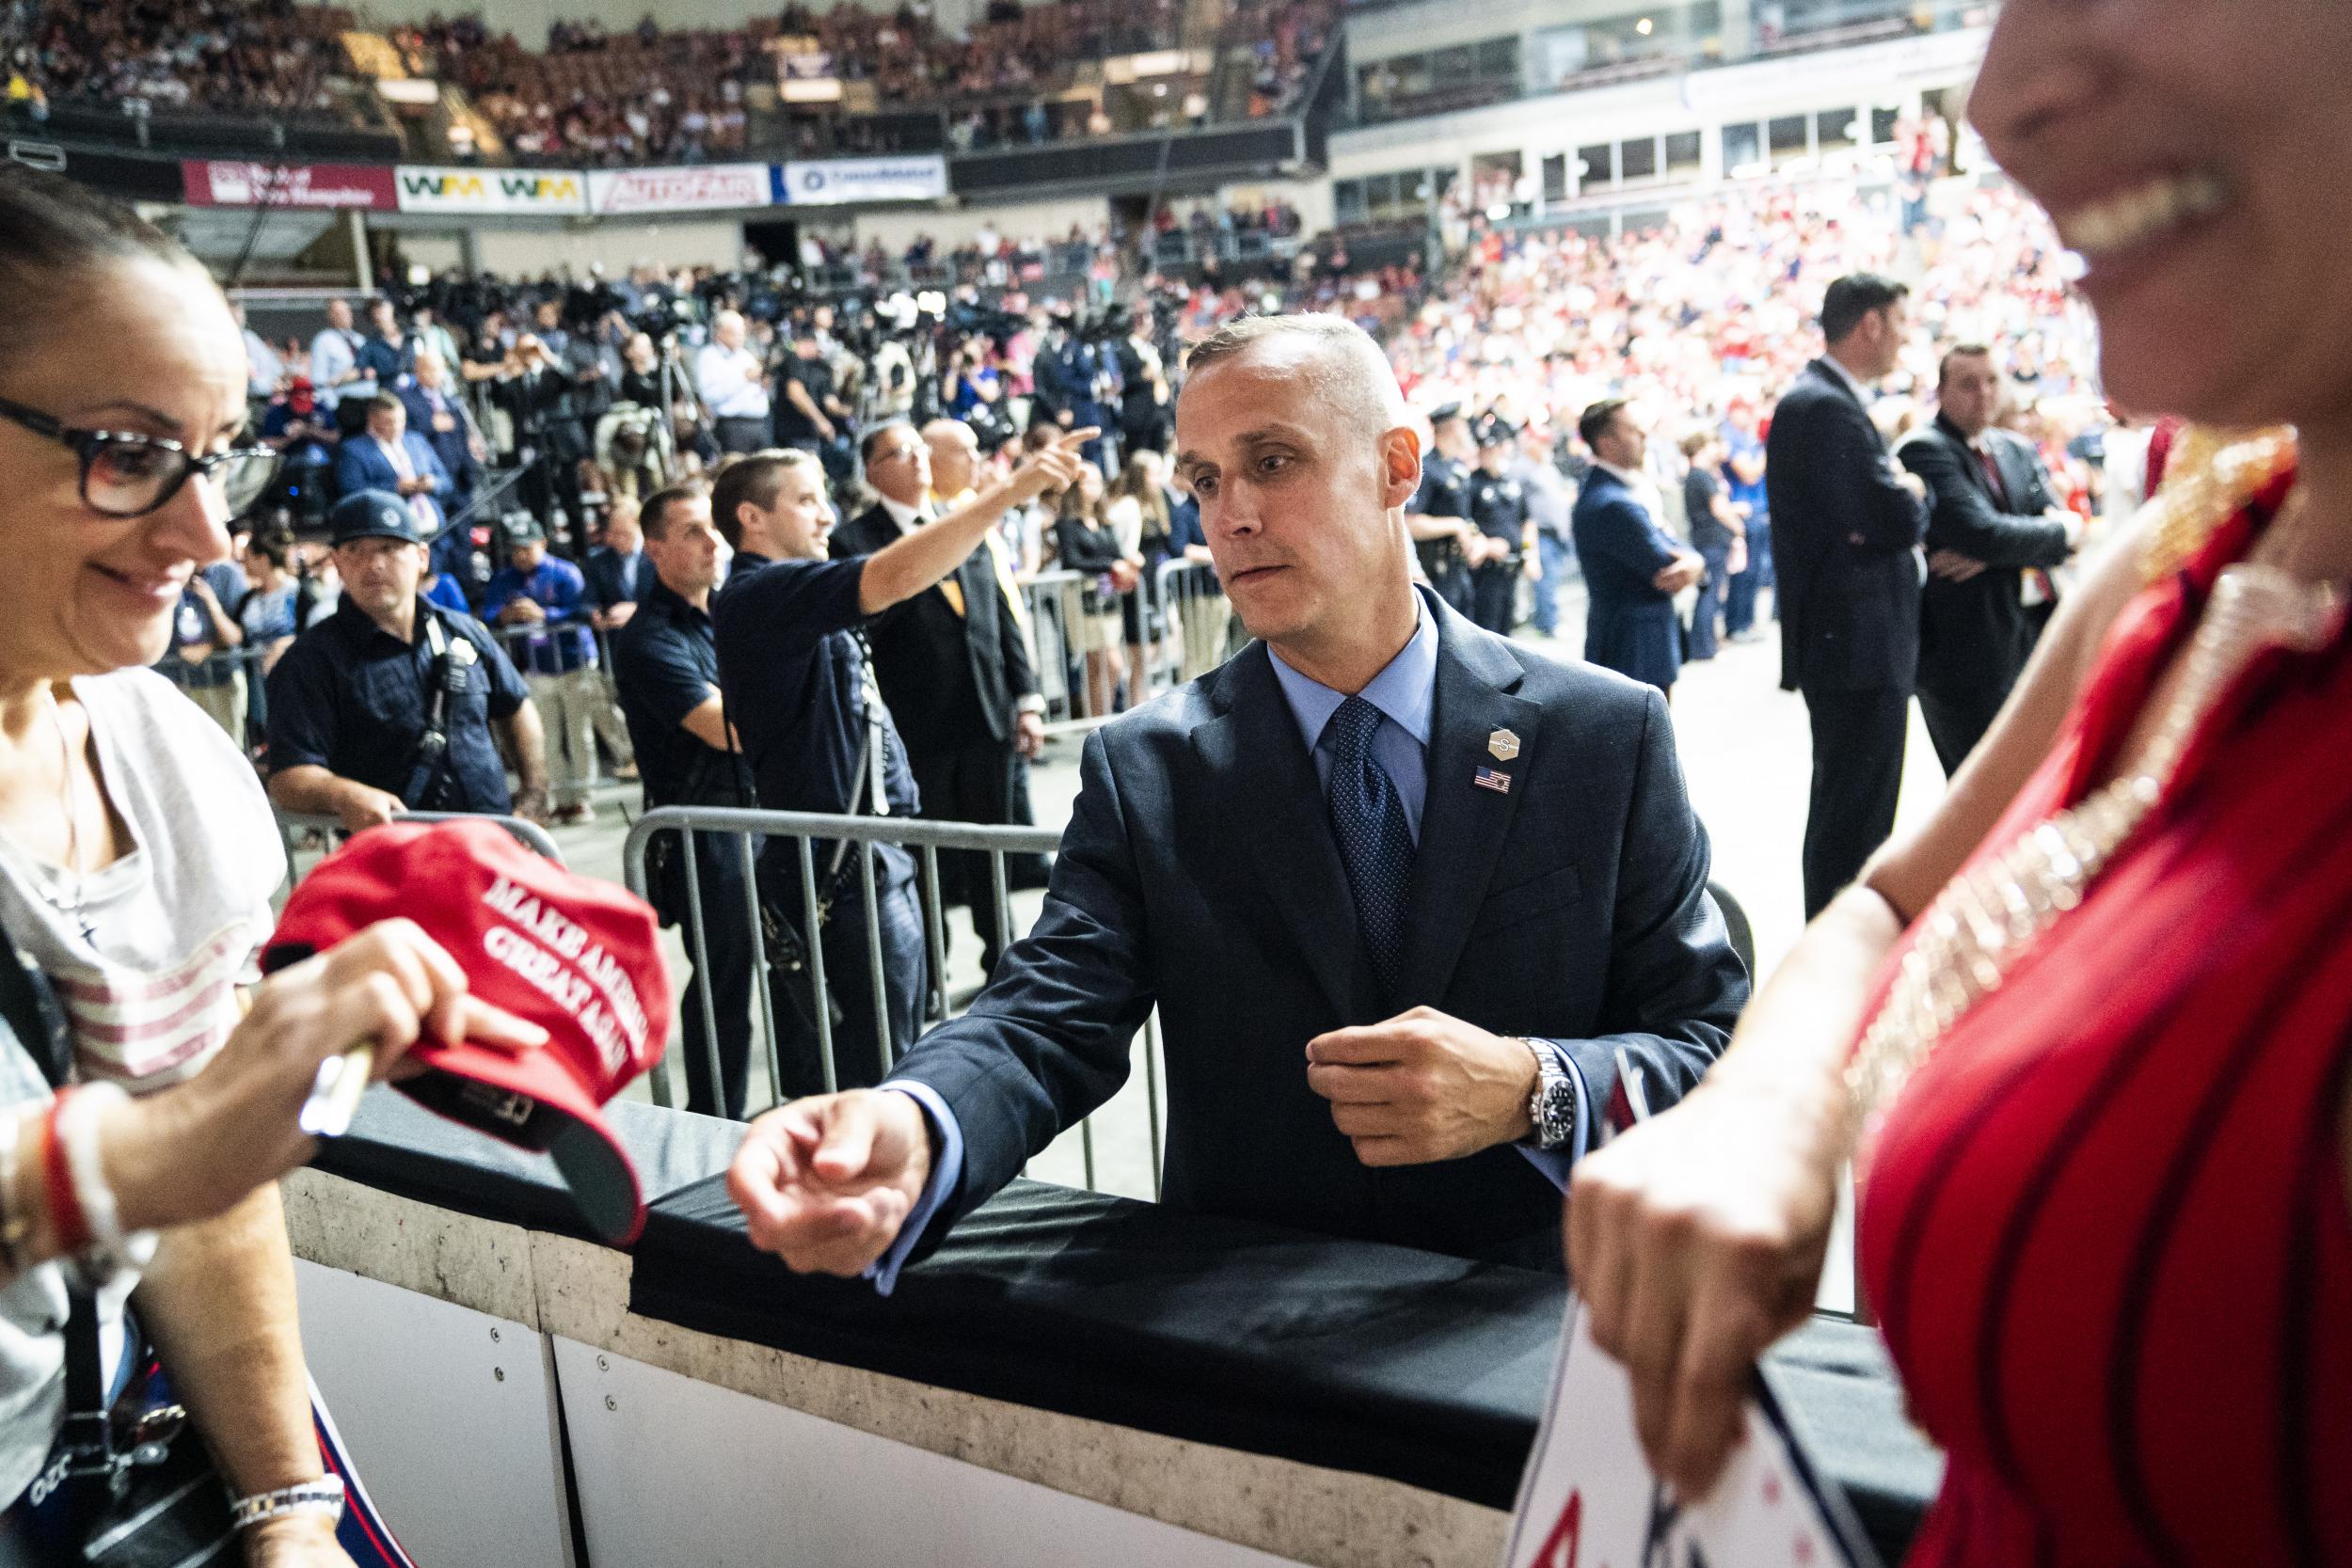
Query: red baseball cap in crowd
576	956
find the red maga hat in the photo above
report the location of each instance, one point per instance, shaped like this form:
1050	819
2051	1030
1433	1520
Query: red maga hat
573	954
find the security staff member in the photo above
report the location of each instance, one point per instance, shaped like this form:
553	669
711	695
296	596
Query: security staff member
388	704
666	662
1438	516
802	701
1498	509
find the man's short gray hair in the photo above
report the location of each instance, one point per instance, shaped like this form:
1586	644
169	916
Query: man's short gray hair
1350	369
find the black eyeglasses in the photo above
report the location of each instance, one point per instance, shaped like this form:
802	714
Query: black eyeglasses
128	475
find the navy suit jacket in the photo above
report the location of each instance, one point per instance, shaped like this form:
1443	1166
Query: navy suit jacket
1630	625
450	446
1846	537
360	464
603	571
1199	872
950	680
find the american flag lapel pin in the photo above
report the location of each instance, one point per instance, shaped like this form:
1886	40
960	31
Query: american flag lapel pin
1494	778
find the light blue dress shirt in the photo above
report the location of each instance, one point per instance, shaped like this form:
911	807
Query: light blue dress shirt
1406	692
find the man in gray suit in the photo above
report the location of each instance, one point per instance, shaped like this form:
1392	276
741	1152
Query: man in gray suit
1403	892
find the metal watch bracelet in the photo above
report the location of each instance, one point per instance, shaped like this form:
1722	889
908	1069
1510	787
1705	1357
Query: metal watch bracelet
322	1495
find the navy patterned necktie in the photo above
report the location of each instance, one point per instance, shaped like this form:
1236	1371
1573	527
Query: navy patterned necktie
1375	846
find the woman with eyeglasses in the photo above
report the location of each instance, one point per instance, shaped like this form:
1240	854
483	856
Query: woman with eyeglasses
145	1115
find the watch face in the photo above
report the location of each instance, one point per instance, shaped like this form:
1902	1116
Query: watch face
1559	1112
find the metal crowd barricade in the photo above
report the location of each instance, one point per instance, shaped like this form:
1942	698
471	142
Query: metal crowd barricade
1202	632
1066	639
518	643
296	827
805	831
230	678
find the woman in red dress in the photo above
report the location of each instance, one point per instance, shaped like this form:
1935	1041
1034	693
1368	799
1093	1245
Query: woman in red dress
2086	1033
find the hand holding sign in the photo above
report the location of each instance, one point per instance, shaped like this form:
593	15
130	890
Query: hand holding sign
1590	1500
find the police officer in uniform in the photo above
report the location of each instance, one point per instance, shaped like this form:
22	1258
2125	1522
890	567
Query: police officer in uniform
666	662
389	705
799	692
1498	509
1439	514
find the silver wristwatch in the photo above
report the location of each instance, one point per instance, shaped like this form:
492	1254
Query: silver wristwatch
1551	1108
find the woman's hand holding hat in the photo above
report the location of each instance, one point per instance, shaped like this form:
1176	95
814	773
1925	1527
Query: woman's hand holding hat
194	1150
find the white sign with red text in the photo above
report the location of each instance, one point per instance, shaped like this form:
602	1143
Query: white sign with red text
695	187
1589	1498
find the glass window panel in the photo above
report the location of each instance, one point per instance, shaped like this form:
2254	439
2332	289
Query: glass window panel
1638	160
1834	129
1596	167
1883	123
1347	201
1499	56
1743	152
1556	178
1451	65
1684	149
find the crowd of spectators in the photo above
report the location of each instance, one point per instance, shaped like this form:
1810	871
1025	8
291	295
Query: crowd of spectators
597	97
257	56
1711	309
591	97
596	390
1285	38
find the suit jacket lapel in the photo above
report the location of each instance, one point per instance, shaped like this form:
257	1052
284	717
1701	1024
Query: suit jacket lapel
1463	825
1272	806
1970	461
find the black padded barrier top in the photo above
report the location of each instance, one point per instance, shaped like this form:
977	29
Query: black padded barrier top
1419	1367
398	1146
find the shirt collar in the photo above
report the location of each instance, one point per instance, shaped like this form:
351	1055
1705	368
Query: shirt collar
661	599
1861	393
1625	477
1406	691
908	518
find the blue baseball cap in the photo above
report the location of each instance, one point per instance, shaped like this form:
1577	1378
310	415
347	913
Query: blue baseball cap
375	515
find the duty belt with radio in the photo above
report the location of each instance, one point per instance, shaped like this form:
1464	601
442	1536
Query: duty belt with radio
428	785
787	945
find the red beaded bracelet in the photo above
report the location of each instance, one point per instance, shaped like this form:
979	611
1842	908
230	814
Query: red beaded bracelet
65	1204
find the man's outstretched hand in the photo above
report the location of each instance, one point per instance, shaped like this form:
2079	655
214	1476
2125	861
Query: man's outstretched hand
825	1182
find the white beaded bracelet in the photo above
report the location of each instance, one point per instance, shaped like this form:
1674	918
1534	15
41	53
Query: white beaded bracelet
322	1495
78	1135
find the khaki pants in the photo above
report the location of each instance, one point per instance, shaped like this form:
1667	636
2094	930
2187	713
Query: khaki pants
226	703
567	706
611	727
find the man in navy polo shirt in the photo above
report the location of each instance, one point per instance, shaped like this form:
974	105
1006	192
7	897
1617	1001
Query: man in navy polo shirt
666	661
801	699
388	704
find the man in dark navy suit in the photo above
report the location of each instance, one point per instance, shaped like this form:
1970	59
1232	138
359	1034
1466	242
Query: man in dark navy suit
1633	568
1404	892
1847	523
1994	522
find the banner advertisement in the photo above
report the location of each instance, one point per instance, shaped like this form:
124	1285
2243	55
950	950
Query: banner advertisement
119	174
216	183
921	177
545	192
689	188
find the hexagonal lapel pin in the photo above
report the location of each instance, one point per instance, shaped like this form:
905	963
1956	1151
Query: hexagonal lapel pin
1502	745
